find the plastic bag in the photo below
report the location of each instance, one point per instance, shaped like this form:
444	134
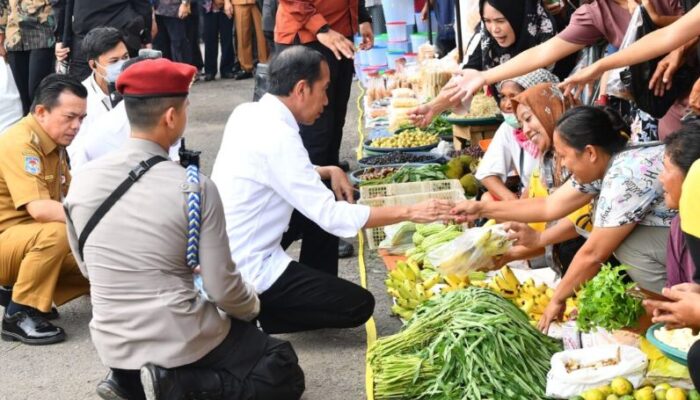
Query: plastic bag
10	103
561	383
615	86
474	250
398	237
588	56
661	366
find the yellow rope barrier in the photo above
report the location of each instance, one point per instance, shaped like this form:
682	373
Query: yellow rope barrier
370	326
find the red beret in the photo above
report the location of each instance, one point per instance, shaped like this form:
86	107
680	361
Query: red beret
156	78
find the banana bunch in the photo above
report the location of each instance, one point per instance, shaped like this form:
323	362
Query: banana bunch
410	286
430	236
528	296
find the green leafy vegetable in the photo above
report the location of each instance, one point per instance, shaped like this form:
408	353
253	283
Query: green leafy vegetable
469	344
606	301
429	172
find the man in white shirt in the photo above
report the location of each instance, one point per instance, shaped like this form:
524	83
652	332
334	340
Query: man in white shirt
106	53
106	127
263	173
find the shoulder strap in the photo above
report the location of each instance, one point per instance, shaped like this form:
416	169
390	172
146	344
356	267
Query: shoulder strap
134	175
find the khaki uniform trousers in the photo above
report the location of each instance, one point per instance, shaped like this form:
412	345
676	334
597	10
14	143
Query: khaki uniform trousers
36	260
249	20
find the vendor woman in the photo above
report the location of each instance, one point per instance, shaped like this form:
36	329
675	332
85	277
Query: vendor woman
538	110
682	150
631	218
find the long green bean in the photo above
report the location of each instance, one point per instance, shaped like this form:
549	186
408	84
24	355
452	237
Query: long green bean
471	345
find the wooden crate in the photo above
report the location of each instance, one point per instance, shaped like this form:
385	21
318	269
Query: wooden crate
461	135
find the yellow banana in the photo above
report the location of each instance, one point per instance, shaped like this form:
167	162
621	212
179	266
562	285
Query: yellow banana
527	306
509	276
431	282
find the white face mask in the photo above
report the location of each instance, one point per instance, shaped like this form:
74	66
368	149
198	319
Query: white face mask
511	120
113	70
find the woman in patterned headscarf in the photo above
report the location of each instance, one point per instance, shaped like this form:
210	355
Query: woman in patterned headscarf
509	27
538	110
510	149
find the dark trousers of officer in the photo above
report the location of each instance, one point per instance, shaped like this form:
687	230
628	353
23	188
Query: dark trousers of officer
29	67
250	364
218	28
304	299
172	39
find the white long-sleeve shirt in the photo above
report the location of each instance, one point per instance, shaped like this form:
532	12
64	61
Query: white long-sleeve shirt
504	155
104	129
263	173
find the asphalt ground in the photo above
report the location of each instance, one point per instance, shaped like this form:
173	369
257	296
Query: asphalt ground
333	360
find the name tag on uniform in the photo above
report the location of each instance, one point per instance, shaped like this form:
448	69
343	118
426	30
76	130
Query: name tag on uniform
32	164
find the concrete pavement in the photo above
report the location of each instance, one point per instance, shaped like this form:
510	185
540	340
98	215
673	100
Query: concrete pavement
333	360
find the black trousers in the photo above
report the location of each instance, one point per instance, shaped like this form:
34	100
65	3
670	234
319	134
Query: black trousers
322	139
218	29
192	25
172	39
250	364
304	299
78	66
29	67
319	249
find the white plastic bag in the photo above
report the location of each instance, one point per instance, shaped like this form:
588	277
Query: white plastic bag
614	85
398	237
10	103
472	251
632	365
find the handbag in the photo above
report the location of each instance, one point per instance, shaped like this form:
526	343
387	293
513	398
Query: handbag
637	77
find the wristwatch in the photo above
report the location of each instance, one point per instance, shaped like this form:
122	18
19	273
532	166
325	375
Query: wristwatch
324	29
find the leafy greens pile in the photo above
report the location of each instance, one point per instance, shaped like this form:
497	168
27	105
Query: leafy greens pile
607	301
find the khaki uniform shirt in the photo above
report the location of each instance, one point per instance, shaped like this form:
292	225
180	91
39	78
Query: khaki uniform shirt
145	306
32	167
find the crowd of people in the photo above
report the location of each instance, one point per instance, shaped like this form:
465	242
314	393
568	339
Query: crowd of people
188	276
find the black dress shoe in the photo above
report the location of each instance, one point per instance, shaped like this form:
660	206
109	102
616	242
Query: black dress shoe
208	77
345	249
180	383
5	295
228	75
29	327
240	75
109	389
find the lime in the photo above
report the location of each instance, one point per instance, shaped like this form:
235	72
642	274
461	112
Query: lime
660	394
664	386
693	395
612	397
593	394
645	393
621	386
675	394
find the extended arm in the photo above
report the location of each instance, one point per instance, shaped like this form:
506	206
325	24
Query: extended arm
654	44
559	204
585	265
